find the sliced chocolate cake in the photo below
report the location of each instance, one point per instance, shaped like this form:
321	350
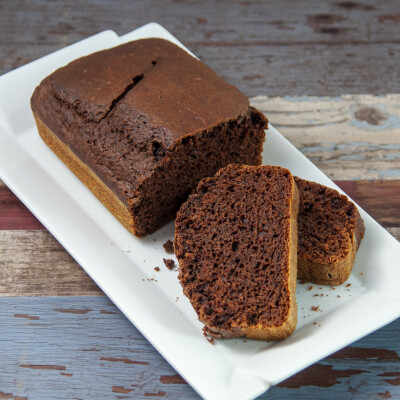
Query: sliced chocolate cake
330	232
236	243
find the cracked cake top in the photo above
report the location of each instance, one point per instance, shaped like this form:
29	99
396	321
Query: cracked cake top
163	83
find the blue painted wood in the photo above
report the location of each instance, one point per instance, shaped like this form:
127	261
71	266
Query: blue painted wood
84	348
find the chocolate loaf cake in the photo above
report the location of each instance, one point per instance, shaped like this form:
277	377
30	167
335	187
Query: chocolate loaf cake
236	243
330	232
140	124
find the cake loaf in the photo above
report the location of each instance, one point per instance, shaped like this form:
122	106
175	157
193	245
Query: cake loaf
236	243
140	124
330	232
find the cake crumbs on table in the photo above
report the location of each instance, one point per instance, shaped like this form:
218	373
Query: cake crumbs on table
310	287
157	269
169	263
169	247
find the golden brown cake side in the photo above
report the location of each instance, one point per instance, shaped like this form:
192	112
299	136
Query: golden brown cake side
86	175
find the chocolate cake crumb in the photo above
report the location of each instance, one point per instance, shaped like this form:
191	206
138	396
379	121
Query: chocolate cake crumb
310	288
348	285
157	269
316	295
169	247
315	308
233	241
315	323
170	264
338	296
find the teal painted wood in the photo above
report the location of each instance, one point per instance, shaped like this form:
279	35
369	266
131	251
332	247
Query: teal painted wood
84	348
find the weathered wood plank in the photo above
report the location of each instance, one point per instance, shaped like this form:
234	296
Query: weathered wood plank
308	47
97	353
13	214
379	198
347	137
33	263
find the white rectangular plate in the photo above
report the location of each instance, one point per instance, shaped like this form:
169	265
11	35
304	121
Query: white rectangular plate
123	266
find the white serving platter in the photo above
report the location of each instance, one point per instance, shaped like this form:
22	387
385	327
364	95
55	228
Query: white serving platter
123	266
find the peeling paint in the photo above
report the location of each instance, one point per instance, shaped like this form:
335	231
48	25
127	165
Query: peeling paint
34	317
172	379
51	367
124	360
73	310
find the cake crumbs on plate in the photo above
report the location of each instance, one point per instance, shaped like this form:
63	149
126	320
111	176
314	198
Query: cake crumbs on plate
310	287
348	285
169	247
338	296
169	263
315	308
157	269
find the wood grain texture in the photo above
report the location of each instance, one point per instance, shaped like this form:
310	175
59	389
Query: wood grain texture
99	354
348	137
33	263
264	47
13	214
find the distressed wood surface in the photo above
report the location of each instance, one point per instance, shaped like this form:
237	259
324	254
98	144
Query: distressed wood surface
264	47
347	137
83	347
34	264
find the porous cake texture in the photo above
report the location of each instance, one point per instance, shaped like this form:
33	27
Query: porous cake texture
236	243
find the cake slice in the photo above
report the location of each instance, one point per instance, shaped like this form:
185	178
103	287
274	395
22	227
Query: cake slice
236	243
140	124
330	232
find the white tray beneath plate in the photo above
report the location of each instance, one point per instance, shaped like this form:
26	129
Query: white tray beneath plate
122	264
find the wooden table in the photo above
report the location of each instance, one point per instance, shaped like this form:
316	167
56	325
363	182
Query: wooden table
60	337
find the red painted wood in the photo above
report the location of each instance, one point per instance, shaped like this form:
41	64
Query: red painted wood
13	214
381	199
